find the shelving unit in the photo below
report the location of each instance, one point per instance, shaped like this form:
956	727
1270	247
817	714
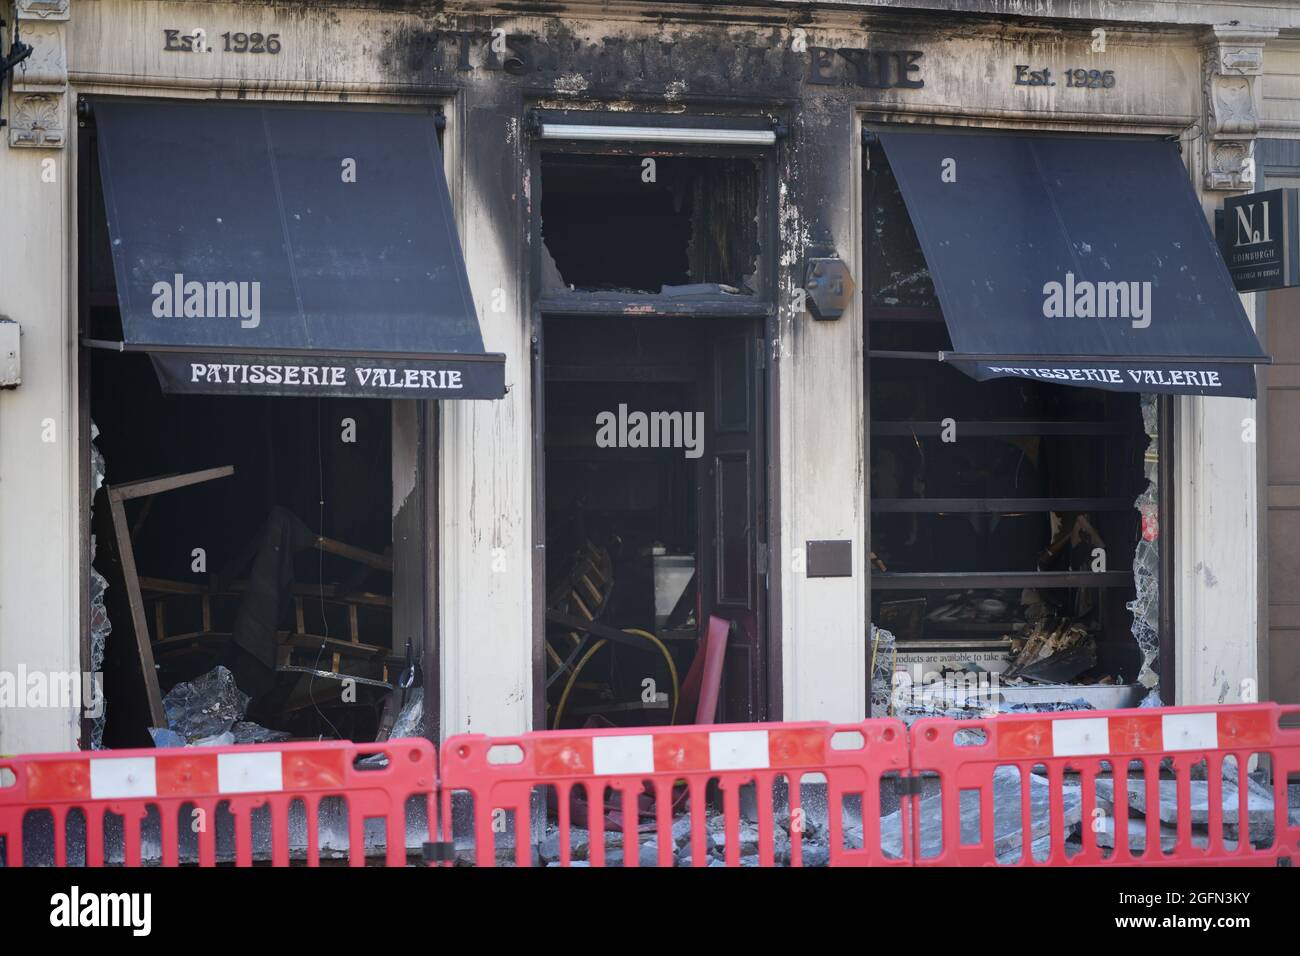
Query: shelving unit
974	537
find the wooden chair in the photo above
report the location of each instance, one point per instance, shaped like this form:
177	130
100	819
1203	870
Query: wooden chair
699	697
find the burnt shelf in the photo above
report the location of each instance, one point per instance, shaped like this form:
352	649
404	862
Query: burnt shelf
979	580
998	429
997	505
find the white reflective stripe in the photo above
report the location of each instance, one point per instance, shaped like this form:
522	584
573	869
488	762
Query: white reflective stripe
632	754
1077	738
249	773
738	750
1189	731
123	777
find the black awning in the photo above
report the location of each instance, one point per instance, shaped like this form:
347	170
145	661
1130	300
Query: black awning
288	250
1080	260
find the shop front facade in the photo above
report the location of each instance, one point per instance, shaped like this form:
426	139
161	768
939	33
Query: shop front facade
638	316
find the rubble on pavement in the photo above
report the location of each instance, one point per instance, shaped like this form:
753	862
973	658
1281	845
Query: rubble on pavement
1008	838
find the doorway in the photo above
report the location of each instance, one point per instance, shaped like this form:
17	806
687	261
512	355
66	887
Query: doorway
654	466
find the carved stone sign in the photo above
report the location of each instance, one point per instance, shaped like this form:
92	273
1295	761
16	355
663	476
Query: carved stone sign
699	63
873	69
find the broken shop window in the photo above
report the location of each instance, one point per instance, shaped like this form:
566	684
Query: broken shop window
253	575
1015	551
650	224
266	581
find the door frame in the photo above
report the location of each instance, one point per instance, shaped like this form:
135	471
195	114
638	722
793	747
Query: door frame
764	307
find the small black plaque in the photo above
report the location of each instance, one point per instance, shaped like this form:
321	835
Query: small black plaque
830	559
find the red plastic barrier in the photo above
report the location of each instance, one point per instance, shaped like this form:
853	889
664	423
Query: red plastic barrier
1148	755
186	786
659	776
1068	773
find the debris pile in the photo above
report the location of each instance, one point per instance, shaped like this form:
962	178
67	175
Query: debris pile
1054	651
1008	836
209	711
1009	833
816	845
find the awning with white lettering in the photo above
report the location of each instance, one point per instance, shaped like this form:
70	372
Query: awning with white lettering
1082	260
289	250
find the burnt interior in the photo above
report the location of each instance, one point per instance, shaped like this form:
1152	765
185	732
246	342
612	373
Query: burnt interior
652	529
613	223
973	508
633	508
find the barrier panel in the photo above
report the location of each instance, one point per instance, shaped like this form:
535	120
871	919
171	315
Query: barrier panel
172	805
1141	787
812	795
1161	786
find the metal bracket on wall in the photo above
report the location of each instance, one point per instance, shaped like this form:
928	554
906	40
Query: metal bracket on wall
18	51
829	285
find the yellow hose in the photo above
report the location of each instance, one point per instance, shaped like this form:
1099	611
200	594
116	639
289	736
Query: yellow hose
569	684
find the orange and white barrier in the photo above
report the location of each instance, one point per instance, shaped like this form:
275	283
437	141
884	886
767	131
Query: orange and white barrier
1157	787
647	782
1128	787
185	787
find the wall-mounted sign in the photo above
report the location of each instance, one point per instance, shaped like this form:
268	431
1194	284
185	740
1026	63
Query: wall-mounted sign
879	69
1075	77
1259	241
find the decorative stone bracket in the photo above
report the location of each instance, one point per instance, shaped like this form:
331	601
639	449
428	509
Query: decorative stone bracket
38	92
1232	64
42	9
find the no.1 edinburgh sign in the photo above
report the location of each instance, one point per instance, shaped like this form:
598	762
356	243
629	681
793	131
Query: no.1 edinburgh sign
1259	242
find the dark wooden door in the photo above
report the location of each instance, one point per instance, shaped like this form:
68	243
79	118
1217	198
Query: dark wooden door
733	526
1281	385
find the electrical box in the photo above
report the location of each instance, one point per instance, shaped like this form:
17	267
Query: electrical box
11	370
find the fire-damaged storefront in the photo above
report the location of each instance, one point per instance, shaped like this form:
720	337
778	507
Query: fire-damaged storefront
293	277
629	366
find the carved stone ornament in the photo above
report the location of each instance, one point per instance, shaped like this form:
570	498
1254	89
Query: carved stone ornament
1233	61
38	119
46	70
38	86
42	9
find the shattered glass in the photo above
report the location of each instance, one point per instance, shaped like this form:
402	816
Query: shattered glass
883	653
410	721
247	732
210	710
100	625
206	706
1146	560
